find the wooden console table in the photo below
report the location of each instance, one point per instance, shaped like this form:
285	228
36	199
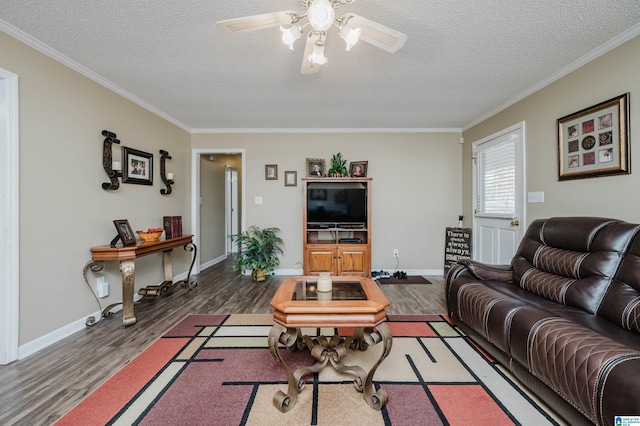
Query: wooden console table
126	256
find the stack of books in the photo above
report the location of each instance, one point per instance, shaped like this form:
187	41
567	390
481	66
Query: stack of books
172	226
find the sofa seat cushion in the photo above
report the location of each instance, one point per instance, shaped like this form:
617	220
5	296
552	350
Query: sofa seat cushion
578	363
486	311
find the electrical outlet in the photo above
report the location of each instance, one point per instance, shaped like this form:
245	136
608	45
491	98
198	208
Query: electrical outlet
103	287
395	253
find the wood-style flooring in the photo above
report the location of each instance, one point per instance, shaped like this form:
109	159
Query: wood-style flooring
41	388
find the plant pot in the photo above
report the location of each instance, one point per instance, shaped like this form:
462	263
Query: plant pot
258	275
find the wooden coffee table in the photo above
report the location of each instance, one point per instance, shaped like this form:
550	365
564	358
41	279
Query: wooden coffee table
354	302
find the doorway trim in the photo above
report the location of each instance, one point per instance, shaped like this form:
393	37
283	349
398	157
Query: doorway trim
10	221
195	192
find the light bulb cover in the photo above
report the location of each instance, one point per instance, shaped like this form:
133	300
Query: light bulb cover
290	35
317	56
350	35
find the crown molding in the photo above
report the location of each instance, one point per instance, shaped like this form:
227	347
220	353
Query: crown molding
594	54
328	130
54	54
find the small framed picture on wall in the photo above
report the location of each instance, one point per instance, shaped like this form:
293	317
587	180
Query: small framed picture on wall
290	178
271	172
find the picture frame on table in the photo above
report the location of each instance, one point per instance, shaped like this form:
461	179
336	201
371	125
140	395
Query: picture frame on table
125	233
271	172
358	168
290	178
594	141
315	167
137	166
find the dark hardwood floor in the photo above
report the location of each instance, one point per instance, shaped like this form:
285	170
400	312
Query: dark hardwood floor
41	388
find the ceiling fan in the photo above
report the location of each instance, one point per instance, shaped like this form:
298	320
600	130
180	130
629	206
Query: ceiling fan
320	15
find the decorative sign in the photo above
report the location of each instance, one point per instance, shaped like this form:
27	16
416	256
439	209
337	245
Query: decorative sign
457	245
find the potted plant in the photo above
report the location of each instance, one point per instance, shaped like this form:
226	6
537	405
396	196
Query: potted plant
258	251
338	166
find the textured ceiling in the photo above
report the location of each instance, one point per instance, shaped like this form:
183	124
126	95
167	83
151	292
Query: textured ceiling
462	61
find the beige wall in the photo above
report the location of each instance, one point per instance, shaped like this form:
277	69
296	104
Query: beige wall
63	209
415	193
606	77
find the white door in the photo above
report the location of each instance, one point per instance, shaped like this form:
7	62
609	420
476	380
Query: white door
231	206
499	188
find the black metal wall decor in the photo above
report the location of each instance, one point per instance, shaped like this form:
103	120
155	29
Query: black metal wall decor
107	161
167	178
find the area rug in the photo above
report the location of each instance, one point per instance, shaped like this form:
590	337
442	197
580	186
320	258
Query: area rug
217	370
411	279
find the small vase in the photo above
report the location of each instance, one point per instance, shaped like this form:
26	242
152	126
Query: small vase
324	282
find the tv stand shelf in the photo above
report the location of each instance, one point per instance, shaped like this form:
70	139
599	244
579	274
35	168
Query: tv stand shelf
333	247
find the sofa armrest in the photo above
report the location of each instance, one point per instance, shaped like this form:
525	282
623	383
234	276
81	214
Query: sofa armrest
483	271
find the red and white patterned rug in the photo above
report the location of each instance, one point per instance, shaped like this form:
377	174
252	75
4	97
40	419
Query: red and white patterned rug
217	370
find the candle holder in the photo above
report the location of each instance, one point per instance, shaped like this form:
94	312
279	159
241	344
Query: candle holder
107	161
168	180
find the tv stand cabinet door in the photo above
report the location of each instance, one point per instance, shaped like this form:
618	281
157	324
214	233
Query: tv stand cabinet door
319	260
353	260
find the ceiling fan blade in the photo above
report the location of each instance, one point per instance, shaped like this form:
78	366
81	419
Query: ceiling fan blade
377	34
307	66
256	22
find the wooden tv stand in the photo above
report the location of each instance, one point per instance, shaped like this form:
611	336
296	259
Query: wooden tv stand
340	250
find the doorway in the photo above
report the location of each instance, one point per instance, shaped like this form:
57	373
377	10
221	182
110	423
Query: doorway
498	195
231	207
201	224
9	218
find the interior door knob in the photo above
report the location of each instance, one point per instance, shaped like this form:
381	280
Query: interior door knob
515	222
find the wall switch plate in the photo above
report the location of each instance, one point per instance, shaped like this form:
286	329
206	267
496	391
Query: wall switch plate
535	197
258	199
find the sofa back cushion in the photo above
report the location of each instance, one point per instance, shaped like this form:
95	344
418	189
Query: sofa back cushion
571	260
621	304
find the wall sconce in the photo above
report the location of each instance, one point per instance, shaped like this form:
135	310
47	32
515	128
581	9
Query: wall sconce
167	178
113	169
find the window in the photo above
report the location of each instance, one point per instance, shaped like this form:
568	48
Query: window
496	195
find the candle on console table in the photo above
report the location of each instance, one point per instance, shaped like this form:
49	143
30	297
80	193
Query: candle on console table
169	176
116	166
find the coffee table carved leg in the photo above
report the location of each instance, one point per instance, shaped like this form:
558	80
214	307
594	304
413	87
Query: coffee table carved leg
377	399
288	337
330	350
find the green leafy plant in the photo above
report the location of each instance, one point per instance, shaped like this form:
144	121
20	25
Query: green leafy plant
338	165
258	251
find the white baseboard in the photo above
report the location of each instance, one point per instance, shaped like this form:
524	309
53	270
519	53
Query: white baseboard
391	271
49	339
212	262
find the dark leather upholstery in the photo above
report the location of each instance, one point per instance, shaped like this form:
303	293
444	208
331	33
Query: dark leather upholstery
564	317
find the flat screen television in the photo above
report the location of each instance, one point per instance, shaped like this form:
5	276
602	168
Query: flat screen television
339	204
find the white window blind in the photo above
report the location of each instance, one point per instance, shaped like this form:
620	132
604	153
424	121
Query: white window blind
496	195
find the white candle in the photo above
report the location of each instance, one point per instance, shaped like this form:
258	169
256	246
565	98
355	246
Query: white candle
116	165
170	176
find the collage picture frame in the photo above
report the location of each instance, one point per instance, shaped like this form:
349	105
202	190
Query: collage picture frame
595	141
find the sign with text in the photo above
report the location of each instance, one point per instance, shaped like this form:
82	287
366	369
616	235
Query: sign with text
457	245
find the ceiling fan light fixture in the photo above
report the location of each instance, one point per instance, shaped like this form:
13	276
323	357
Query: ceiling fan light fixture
350	35
317	56
290	35
321	15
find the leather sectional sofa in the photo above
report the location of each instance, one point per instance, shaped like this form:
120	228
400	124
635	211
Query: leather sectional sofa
564	317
